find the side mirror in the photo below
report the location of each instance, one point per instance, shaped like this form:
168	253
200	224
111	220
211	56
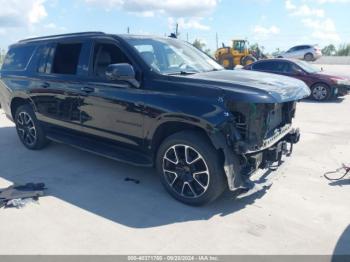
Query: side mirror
299	72
122	72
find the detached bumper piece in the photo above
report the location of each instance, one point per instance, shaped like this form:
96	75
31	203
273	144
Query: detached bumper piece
275	153
269	158
18	195
271	155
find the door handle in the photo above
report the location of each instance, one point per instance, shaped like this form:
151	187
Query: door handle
45	85
87	89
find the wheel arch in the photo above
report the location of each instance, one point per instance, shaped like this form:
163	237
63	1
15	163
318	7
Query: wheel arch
309	53
215	137
320	83
170	127
17	102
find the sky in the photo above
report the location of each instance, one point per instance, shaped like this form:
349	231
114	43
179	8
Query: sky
271	23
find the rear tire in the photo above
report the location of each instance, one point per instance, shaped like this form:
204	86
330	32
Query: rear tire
190	168
29	130
320	92
309	57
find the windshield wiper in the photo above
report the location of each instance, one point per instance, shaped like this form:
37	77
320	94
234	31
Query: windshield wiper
214	70
183	73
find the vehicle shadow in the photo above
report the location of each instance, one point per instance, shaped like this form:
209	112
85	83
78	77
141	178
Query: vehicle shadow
332	101
342	182
342	249
98	185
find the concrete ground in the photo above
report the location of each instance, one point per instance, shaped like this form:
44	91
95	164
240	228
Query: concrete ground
90	209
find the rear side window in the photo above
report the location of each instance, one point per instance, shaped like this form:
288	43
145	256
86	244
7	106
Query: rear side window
43	52
265	66
18	58
66	59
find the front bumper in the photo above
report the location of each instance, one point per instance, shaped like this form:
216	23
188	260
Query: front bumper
341	90
239	167
274	153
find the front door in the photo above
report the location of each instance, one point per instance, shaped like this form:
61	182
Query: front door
111	109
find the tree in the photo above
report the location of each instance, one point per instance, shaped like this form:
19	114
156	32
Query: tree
198	44
276	52
254	47
344	50
201	46
329	50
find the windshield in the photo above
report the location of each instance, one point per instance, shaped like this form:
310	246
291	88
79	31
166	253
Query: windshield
172	56
307	67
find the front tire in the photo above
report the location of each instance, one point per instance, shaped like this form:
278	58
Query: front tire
227	62
190	168
320	92
29	130
247	60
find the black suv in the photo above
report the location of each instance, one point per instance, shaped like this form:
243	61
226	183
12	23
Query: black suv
151	101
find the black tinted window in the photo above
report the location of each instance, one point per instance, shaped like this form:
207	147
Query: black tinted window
66	59
104	55
265	66
305	47
281	67
43	53
17	58
302	47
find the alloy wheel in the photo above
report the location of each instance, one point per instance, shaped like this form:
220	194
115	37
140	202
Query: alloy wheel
186	171
26	128
319	92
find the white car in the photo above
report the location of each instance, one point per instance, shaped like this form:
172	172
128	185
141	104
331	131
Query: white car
304	52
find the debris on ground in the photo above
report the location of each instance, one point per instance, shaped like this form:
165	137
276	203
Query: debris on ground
20	195
344	168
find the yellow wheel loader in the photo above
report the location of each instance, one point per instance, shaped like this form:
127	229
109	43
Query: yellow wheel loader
238	54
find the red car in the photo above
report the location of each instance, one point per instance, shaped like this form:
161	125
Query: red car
323	86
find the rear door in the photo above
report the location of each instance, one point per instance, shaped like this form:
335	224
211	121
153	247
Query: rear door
60	70
301	50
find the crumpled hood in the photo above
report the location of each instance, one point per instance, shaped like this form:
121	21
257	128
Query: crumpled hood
258	87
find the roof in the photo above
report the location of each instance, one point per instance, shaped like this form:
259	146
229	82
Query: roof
87	34
81	34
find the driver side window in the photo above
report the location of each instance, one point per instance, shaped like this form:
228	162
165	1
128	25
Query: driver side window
105	55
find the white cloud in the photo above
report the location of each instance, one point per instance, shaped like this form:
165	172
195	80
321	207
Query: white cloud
322	27
289	5
305	10
324	30
53	26
15	13
190	23
264	32
330	1
37	11
173	8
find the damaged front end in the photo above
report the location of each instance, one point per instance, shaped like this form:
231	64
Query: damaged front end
257	135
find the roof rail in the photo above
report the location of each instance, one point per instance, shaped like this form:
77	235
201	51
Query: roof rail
62	35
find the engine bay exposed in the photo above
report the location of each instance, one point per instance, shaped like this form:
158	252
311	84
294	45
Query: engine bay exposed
258	125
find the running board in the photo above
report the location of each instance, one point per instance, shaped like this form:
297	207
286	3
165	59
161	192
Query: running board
113	152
